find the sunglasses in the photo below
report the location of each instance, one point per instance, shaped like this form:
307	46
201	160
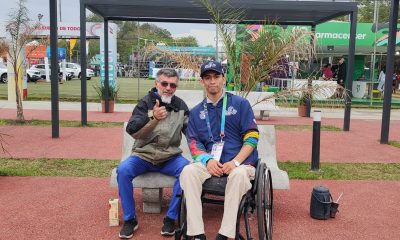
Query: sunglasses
171	85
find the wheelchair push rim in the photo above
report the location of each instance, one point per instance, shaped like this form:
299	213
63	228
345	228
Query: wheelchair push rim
264	202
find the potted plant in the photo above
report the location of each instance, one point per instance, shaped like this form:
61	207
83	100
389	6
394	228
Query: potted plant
112	96
302	106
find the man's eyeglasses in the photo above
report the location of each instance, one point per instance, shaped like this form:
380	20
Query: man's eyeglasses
171	85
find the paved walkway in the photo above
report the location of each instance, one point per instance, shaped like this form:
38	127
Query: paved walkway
360	144
119	108
76	208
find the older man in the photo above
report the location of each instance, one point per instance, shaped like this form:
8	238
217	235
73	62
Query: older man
223	137
156	123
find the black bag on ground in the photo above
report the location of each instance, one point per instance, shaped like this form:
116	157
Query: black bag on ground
321	201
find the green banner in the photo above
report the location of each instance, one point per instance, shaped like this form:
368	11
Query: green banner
338	33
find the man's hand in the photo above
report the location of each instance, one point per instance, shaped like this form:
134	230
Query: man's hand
159	112
214	168
228	167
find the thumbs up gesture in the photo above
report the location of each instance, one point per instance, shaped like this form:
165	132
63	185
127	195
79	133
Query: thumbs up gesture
159	112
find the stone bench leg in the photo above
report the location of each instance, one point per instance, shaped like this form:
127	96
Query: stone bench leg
152	198
264	114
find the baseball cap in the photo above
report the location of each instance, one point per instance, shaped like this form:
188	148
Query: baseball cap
211	66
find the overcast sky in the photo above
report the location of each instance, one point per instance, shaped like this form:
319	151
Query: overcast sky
205	33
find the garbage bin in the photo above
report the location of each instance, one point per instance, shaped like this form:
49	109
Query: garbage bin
321	200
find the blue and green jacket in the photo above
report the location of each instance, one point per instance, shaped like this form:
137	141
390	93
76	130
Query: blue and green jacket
240	129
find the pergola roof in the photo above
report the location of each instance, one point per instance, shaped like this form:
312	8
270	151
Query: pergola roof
191	11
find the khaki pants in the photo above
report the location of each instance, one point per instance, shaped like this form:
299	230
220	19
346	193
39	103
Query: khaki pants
192	178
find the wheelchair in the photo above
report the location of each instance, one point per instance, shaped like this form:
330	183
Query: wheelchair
258	199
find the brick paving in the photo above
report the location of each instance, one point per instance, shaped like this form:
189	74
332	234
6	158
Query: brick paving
77	208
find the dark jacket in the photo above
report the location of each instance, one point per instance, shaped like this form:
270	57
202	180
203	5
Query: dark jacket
158	141
341	74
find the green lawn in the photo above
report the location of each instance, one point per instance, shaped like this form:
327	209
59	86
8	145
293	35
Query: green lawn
57	167
70	123
132	89
71	90
306	128
343	171
394	143
63	123
103	168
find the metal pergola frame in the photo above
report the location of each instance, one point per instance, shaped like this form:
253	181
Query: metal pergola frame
309	13
391	48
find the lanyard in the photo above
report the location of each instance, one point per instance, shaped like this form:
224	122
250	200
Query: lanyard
222	133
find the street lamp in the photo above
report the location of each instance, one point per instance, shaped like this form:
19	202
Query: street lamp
59	7
40	16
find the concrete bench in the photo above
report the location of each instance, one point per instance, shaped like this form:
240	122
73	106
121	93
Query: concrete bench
190	97
267	153
152	184
264	102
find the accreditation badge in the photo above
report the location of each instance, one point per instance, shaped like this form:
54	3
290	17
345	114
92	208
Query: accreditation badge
216	150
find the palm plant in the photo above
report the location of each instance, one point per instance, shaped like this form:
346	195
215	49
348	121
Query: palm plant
253	56
267	53
101	91
252	61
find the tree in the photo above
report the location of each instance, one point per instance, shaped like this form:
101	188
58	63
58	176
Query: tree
189	41
19	29
94	18
94	48
134	37
366	11
3	142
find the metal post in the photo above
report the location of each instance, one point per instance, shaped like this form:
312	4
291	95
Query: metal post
316	141
309	83
216	42
137	61
349	71
106	77
387	94
55	128
312	39
373	57
309	97
59	6
83	64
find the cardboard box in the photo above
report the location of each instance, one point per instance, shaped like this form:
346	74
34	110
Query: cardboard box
113	212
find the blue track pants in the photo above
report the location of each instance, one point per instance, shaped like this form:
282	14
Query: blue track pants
135	166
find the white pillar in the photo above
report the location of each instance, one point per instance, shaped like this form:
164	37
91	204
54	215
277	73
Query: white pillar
64	71
47	69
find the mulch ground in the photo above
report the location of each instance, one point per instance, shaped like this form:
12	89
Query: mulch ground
360	144
77	208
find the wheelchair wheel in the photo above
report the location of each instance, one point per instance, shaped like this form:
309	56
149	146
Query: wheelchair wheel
264	202
180	233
